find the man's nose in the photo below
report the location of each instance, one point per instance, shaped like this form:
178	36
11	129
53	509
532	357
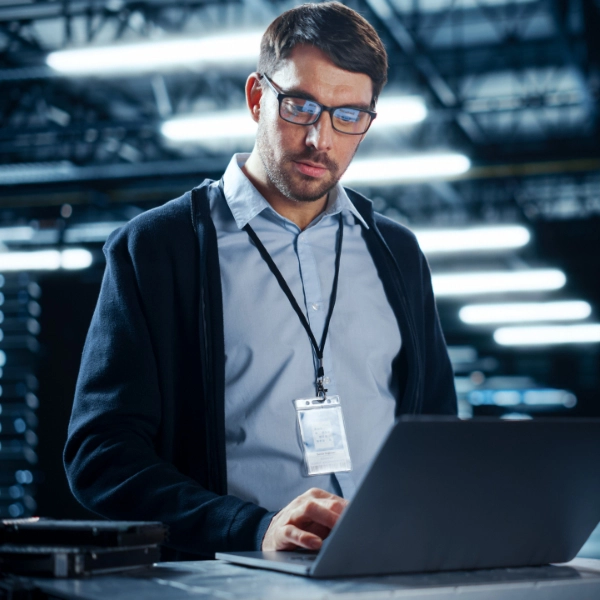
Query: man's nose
320	135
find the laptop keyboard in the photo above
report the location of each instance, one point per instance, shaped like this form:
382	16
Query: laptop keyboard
304	558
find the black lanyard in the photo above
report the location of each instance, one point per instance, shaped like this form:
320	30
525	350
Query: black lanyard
286	290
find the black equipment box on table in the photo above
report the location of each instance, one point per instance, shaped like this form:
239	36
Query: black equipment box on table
58	548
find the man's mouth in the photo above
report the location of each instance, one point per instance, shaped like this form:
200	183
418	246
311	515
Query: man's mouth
311	169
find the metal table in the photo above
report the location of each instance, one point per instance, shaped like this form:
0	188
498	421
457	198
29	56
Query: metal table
577	580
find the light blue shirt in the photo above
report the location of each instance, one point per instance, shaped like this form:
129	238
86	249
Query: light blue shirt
269	360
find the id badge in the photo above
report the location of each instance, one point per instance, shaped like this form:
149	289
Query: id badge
323	435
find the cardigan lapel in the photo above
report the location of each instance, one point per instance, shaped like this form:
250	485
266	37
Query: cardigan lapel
211	334
408	363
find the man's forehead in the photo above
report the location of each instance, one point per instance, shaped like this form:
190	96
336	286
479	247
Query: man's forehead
310	71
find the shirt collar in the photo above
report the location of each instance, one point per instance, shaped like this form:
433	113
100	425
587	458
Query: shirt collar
246	202
339	201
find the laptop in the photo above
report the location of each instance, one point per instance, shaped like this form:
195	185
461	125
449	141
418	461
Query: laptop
444	494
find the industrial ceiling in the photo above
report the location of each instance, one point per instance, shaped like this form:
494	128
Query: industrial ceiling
513	85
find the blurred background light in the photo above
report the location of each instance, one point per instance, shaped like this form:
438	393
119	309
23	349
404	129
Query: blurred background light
234	124
122	59
46	260
472	239
525	311
16	234
91	232
547	335
398	111
77	258
535	397
34	172
238	124
384	171
493	282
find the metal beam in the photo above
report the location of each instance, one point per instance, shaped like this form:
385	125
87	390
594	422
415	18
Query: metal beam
561	14
66	172
52	9
438	85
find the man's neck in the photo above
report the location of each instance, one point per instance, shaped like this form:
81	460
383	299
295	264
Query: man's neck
300	213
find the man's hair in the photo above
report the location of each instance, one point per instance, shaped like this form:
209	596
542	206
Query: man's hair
346	37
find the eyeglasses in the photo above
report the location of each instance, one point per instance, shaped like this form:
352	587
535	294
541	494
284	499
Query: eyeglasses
301	111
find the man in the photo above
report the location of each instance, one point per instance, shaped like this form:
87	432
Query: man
220	309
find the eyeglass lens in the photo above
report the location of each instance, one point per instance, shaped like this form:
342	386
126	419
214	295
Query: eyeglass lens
305	112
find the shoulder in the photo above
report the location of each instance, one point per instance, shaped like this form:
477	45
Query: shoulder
173	218
393	232
158	232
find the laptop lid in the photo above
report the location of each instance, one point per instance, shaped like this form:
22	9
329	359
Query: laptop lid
444	494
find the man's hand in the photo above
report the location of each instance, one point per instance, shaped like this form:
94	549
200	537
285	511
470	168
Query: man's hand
305	522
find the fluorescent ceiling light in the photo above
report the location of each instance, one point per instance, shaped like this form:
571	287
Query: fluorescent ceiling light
490	282
16	234
526	311
546	335
433	6
28	235
222	125
529	397
75	259
548	397
45	260
238	124
406	169
91	232
399	110
34	172
474	238
232	48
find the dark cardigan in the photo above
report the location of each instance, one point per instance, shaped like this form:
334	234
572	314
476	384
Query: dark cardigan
146	439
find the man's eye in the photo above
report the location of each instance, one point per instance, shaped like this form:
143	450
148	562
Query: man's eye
307	107
348	115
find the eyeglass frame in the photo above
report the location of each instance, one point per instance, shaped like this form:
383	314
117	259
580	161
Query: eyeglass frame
330	109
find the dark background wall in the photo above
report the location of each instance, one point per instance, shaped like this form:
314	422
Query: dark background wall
68	304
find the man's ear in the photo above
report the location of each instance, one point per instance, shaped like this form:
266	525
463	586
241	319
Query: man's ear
253	95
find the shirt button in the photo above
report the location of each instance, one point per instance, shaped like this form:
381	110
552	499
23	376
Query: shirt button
315	306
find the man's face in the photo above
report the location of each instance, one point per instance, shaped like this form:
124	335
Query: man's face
304	162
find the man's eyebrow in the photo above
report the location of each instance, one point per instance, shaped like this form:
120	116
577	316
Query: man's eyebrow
297	93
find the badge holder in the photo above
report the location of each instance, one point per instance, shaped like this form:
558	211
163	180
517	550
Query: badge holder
323	435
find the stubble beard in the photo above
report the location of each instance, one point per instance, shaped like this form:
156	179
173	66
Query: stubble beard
295	186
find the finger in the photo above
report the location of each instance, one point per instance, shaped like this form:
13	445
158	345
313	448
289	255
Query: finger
337	505
319	493
319	530
299	537
314	511
334	502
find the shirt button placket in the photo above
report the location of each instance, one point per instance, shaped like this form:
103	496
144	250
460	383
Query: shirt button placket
312	286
